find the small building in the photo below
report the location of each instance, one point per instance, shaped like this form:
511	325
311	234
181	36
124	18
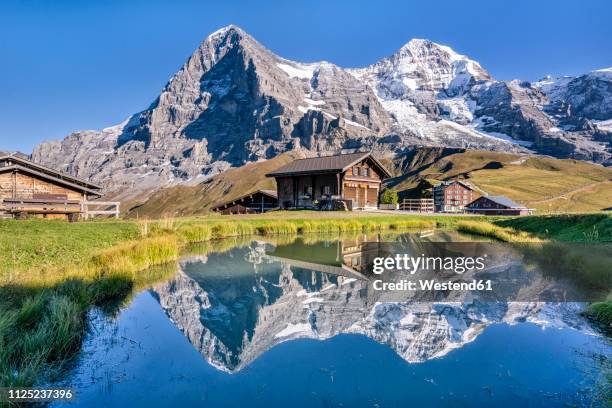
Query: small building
497	205
258	201
321	182
30	188
452	196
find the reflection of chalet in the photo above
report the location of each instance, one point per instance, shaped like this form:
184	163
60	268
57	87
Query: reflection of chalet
351	178
343	257
256	202
30	188
497	205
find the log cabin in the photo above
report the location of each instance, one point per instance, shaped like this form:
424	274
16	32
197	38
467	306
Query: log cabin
30	188
258	201
497	205
354	180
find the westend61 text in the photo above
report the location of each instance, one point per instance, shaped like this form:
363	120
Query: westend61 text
430	284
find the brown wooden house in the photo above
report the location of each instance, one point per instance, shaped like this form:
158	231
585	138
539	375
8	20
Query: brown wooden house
30	188
497	205
319	182
255	202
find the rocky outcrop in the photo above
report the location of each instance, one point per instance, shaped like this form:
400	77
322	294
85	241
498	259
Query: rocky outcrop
234	102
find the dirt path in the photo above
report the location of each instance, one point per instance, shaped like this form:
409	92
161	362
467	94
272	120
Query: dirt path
569	195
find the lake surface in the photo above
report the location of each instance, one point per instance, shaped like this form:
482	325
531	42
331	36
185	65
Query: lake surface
266	324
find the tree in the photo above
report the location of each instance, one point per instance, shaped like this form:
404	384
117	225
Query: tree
389	197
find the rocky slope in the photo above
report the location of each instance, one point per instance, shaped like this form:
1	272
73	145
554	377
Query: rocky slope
234	102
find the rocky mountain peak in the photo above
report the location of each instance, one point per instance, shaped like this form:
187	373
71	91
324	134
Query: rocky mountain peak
422	65
234	101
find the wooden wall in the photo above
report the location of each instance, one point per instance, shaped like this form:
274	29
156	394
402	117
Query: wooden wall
362	189
28	186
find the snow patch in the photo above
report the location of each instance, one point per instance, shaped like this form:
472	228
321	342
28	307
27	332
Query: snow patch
605	73
605	125
313	102
297	70
292	329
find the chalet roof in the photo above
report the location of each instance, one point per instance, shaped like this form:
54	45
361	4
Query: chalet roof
326	164
505	201
269	193
13	162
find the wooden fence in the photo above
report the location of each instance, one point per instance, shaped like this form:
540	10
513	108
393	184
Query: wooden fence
422	205
90	209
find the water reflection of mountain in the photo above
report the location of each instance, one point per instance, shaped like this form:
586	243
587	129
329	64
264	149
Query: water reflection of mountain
234	306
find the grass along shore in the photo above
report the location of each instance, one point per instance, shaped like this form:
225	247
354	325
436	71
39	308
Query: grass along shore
52	272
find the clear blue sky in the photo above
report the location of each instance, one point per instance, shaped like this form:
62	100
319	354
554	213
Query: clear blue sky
71	65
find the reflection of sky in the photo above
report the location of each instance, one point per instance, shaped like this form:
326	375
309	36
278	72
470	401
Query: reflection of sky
142	360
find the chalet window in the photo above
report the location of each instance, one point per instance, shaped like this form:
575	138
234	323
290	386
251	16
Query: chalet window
307	190
365	171
326	190
355	171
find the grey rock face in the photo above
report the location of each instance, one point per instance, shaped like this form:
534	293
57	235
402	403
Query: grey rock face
234	101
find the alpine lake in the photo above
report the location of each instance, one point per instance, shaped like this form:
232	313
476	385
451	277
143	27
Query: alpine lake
295	322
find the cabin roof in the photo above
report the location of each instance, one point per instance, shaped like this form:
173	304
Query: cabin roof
502	200
269	193
326	164
13	162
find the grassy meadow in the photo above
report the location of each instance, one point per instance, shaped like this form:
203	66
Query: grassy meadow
53	272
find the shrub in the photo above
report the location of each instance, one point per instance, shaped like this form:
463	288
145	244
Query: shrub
389	197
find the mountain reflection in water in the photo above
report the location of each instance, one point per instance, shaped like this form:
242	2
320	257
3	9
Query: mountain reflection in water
235	305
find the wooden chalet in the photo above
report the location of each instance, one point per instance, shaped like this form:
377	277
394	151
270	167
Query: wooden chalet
497	205
258	201
30	188
352	180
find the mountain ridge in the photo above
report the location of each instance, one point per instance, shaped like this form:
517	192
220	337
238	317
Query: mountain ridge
234	102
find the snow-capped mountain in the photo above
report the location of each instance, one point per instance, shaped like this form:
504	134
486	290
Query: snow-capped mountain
234	101
581	103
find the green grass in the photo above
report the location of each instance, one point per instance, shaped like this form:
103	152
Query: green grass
487	229
43	244
43	316
595	227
